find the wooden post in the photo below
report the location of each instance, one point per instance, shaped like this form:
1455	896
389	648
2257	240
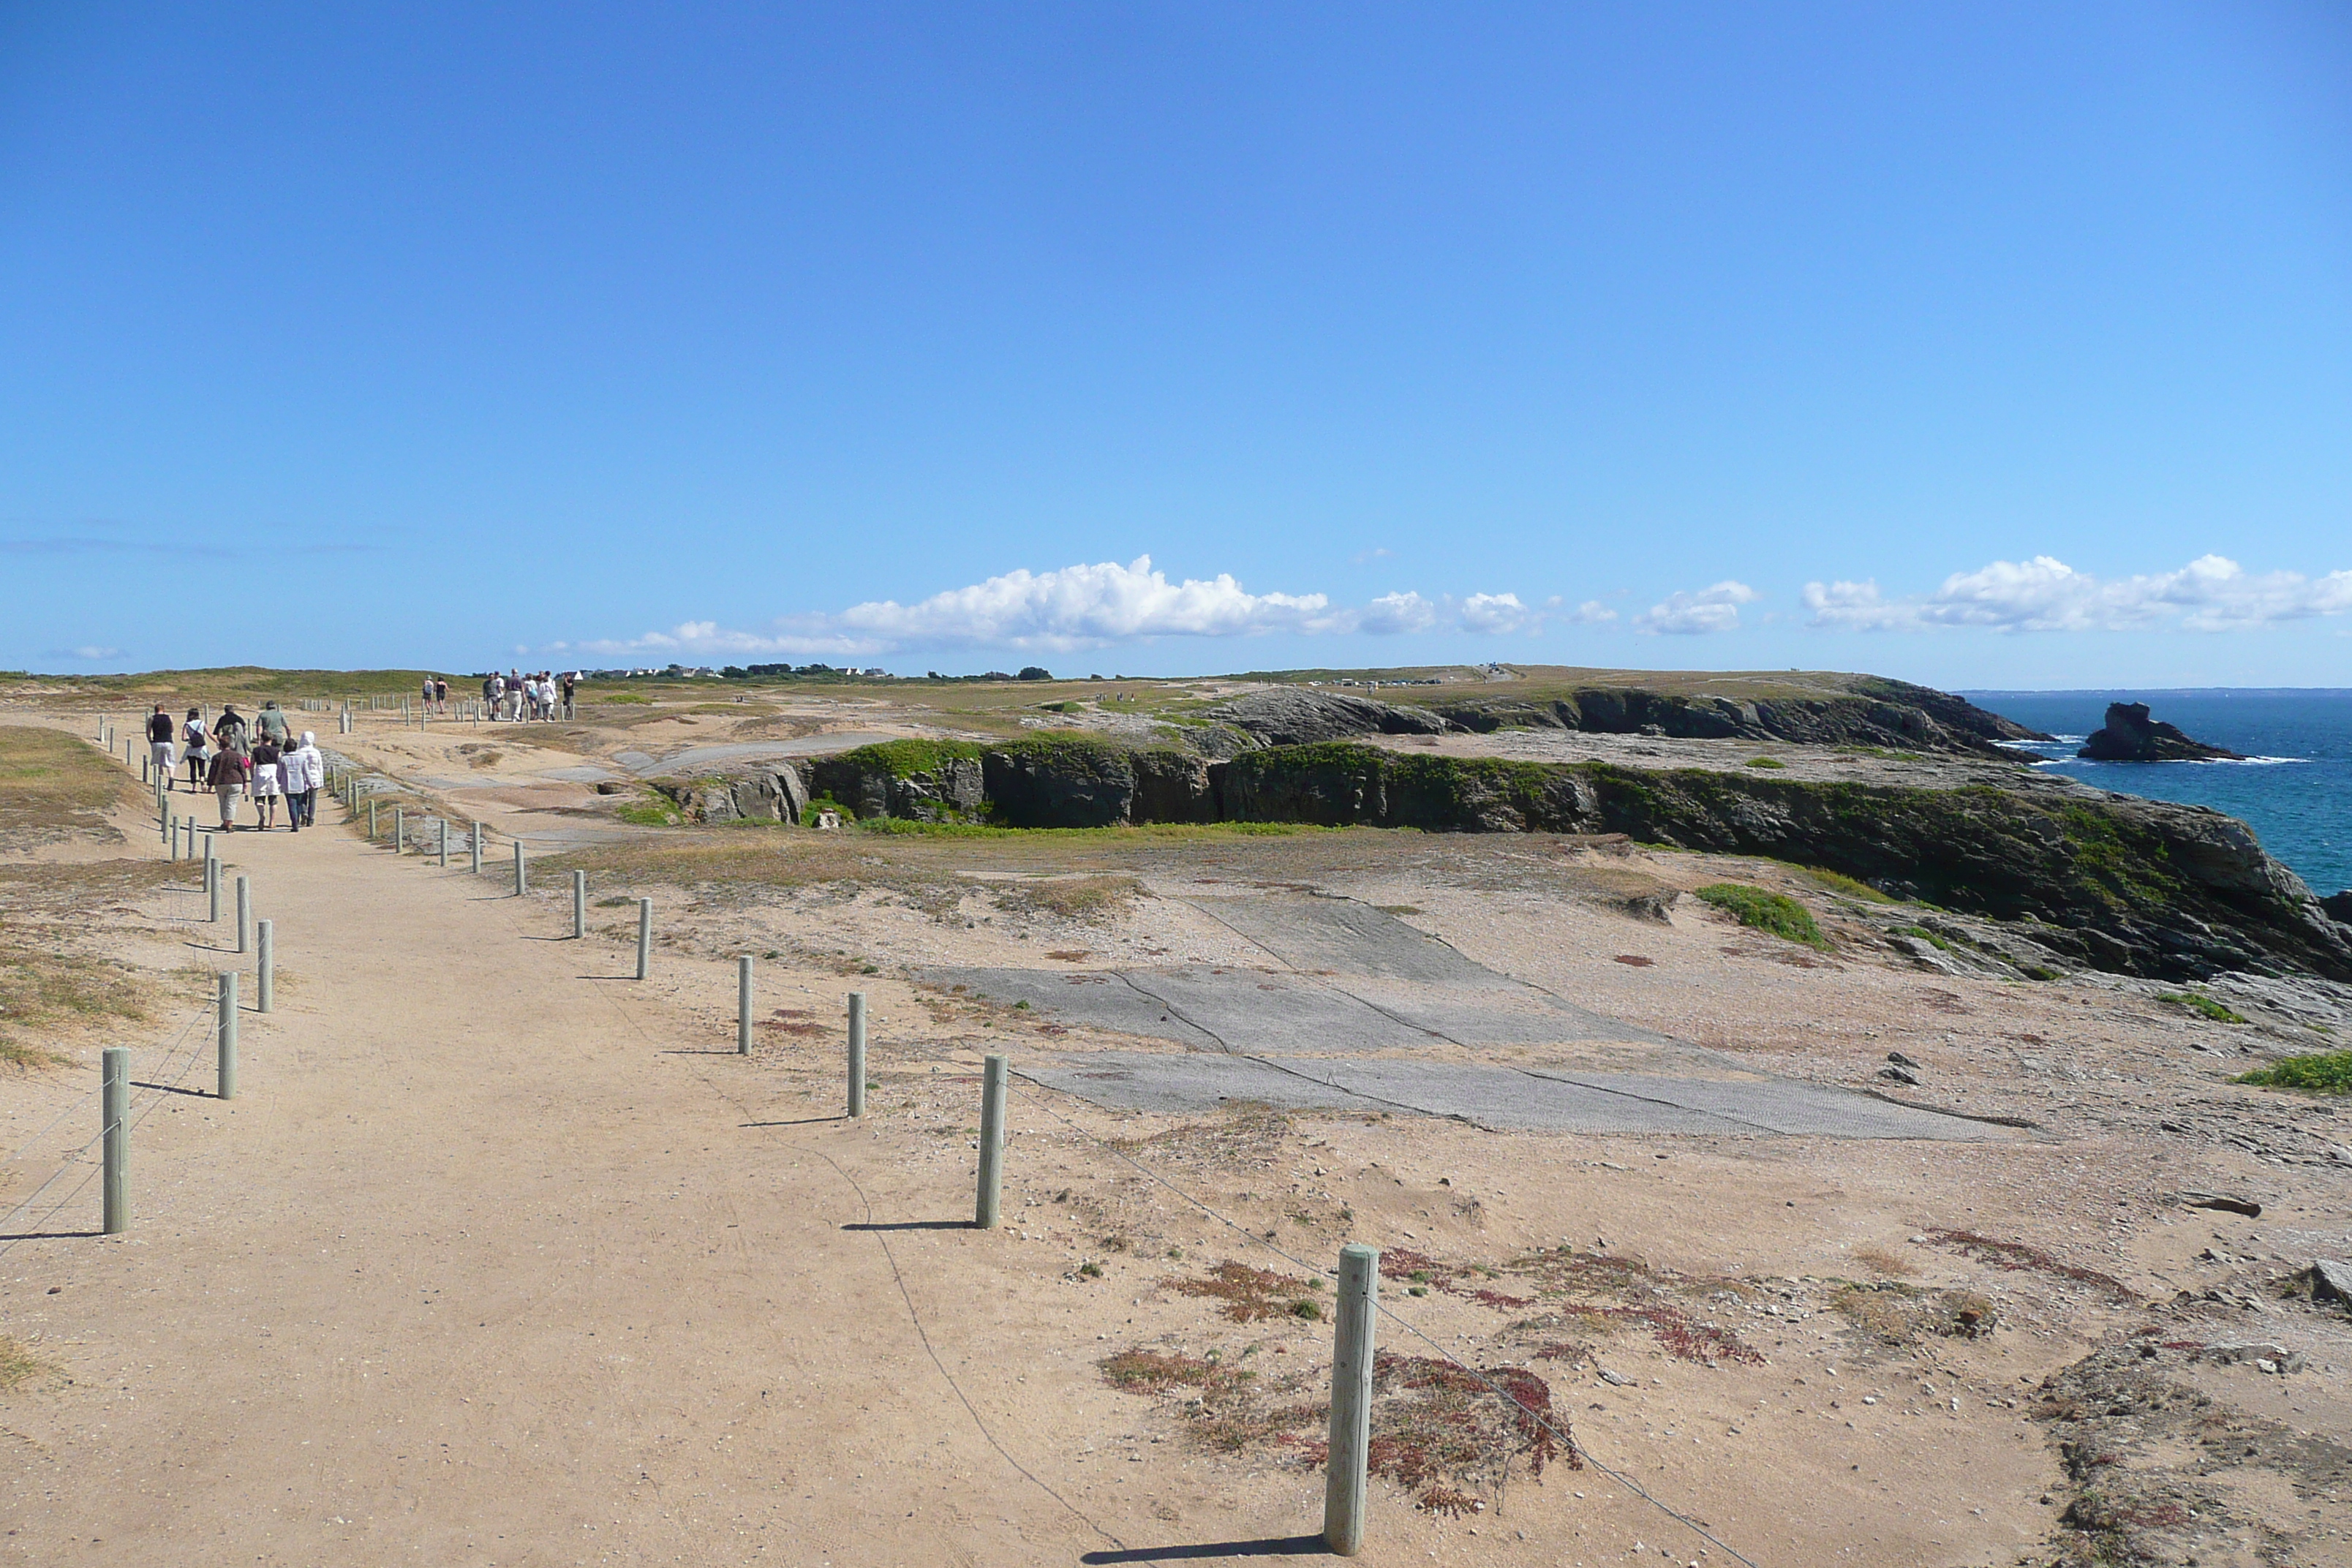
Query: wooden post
579	906
1351	1400
227	1034
264	966
645	937
857	1053
372	833
400	830
114	1124
444	823
245	914
475	836
523	877
991	1142
212	882
743	1005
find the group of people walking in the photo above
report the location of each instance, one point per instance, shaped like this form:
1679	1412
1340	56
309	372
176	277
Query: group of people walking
436	697
233	758
515	696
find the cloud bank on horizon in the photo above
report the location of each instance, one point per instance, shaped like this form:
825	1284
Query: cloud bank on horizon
1107	605
1083	606
2211	593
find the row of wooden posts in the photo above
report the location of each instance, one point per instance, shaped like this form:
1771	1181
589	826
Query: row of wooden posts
259	938
1357	1278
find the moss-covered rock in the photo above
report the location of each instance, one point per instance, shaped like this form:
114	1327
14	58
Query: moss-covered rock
921	781
1059	781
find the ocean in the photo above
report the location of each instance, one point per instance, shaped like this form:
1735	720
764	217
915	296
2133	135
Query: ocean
2295	791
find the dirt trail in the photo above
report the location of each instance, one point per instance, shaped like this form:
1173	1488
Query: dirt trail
479	1268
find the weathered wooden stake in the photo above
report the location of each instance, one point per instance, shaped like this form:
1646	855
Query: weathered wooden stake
579	906
265	965
400	830
645	937
991	1142
245	914
857	1053
114	1122
227	1034
743	1005
372	833
1351	1400
212	884
474	838
523	877
444	823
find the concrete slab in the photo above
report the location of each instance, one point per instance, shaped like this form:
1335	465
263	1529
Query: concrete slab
1356	1009
1500	1098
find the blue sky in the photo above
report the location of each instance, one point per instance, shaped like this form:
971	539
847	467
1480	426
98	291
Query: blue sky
1981	345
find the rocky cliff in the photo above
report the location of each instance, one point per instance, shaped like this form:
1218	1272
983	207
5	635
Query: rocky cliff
1874	713
1861	711
2131	885
1050	781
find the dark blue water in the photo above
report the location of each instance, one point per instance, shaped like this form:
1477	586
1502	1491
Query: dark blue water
2296	793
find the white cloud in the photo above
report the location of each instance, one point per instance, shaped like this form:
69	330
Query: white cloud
1494	613
1712	609
1592	612
2212	593
89	650
1392	613
1085	606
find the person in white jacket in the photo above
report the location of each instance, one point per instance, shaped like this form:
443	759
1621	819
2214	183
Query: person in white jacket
305	774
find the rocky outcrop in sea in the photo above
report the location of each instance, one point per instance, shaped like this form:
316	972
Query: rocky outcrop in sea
2129	735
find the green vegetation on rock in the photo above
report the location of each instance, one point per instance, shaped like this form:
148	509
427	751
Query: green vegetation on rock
2327	1072
1839	882
908	759
1775	915
2204	1005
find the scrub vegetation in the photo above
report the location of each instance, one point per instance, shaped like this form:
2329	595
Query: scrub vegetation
1775	915
2327	1072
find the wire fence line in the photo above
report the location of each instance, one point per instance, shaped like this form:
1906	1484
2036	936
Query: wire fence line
184	905
159	1085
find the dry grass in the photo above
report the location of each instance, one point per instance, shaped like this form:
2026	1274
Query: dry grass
1436	1424
46	982
43	985
1072	898
2018	1256
1878	1260
1252	1294
1596	1293
1902	1315
18	1365
53	784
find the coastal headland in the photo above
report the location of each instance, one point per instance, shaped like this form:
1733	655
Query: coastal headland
1766	1087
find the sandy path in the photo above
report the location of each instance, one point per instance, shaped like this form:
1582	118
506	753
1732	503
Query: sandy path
473	1271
